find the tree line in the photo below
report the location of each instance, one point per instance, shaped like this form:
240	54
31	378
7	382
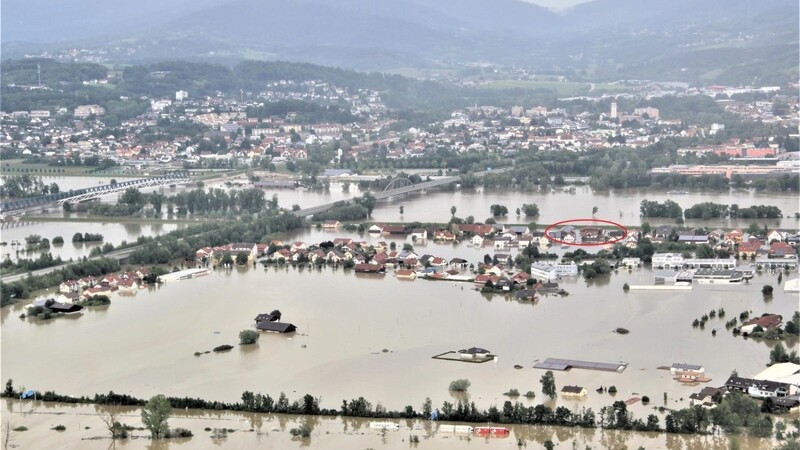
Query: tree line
24	186
707	210
735	412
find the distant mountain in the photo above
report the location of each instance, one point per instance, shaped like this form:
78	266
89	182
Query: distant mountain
601	38
53	21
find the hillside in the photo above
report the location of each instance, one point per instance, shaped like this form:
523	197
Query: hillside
711	41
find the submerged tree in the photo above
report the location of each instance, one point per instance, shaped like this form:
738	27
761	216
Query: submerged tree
155	414
548	381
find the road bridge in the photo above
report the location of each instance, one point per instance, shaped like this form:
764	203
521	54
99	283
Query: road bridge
391	191
79	195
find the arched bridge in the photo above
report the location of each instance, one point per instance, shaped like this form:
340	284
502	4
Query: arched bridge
386	193
79	195
400	187
398	183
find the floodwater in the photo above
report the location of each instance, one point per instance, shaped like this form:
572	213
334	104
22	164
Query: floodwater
113	232
619	205
145	344
84	429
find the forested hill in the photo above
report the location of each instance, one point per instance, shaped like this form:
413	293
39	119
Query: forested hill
66	89
699	41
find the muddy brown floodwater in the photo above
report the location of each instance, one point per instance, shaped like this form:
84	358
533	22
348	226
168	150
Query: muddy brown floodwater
144	344
85	430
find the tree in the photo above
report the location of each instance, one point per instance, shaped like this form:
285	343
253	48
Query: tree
247	337
793	326
548	384
367	201
427	408
155	415
132	197
530	209
109	416
594	210
241	258
401	210
157	199
227	259
767	290
460	385
778	354
7	433
498	210
453	210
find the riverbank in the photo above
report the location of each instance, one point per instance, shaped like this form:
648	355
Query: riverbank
513	413
84	429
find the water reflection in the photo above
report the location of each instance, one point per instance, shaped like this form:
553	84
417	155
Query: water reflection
272	430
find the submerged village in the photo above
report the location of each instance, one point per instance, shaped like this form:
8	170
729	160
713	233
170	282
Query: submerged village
525	265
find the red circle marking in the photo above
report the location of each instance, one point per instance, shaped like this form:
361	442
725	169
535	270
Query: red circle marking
591	244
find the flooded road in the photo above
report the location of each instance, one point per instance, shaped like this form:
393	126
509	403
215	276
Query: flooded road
113	232
85	430
145	344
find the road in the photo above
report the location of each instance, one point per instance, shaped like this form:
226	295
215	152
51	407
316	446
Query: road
116	254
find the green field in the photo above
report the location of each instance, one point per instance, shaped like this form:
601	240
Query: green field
561	88
17	167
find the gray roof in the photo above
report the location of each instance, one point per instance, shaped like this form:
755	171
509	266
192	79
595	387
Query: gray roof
572	389
566	364
280	327
684	366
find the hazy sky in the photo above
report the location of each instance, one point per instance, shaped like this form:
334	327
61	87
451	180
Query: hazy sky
557	4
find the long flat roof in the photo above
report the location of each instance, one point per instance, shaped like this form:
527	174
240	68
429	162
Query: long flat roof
566	364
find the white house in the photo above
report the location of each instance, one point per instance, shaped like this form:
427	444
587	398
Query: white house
667	260
631	262
543	271
566	270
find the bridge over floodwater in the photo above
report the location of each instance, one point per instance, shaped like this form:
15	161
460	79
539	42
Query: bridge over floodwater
398	186
79	195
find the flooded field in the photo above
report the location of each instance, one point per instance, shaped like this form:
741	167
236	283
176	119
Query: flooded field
113	232
362	335
85	430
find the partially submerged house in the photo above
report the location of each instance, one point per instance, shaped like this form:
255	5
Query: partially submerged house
276	327
573	391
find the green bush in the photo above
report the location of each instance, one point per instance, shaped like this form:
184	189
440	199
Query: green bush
179	433
223	348
460	385
247	337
